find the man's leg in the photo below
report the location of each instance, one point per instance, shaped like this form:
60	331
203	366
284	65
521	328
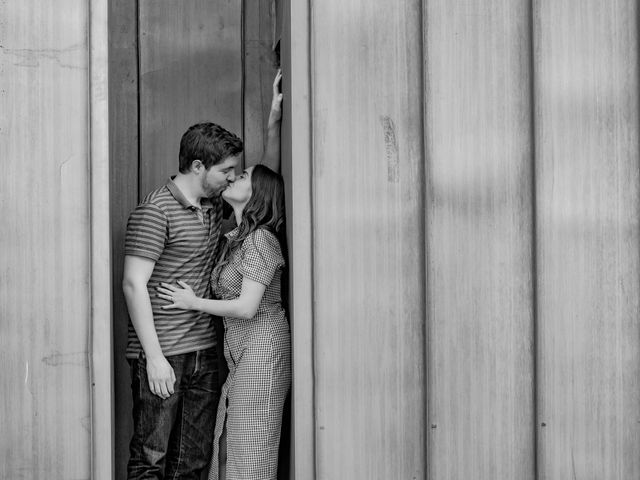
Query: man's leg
153	420
192	440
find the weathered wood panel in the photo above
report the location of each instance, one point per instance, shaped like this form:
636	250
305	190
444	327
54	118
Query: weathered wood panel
190	71
586	85
368	239
45	299
123	143
479	240
259	71
296	169
101	361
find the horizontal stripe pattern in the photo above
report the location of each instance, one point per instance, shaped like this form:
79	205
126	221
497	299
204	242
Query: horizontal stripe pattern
168	230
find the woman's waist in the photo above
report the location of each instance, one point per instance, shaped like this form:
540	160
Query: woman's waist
263	318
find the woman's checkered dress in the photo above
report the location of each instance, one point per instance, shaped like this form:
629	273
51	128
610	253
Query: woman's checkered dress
258	353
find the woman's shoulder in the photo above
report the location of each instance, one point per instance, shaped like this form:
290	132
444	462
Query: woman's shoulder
263	240
263	235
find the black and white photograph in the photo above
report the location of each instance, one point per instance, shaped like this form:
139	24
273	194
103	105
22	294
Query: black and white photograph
320	239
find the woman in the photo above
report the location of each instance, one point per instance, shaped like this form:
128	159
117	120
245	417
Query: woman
246	283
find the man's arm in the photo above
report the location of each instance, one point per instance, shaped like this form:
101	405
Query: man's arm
137	271
271	154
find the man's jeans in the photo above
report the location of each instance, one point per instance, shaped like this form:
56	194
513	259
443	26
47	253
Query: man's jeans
172	438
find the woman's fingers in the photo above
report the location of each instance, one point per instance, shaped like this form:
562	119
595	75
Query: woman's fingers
276	81
276	104
276	86
169	293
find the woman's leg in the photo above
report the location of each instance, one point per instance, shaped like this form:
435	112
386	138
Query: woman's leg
222	456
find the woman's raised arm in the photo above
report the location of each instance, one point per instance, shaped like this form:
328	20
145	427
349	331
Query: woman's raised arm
271	154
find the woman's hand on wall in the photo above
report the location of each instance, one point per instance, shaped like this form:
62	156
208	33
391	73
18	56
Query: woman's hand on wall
275	115
271	154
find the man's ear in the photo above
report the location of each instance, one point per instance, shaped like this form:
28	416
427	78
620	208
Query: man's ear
196	166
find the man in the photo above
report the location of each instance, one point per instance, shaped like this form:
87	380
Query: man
173	235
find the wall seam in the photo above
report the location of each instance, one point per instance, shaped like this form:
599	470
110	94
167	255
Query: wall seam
534	239
138	109
310	64
425	222
243	73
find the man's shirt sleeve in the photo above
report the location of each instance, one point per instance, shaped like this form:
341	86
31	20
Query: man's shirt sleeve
146	232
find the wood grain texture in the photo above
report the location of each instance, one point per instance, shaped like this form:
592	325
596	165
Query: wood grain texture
259	71
101	365
586	78
479	240
368	239
296	170
190	71
124	196
45	299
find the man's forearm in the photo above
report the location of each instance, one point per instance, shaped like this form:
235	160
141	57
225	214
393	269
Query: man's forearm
139	305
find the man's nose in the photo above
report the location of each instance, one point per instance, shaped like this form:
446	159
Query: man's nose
231	177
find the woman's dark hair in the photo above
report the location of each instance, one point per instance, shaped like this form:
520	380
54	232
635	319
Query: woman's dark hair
265	208
209	143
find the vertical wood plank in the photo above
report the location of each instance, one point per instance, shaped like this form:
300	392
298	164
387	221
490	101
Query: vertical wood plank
45	299
586	78
368	236
101	315
259	71
190	71
479	240
296	169
123	165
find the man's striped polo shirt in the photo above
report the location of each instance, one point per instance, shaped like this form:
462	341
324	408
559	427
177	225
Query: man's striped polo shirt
182	241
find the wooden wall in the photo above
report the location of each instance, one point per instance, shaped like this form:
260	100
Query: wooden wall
368	244
479	240
463	212
190	58
472	218
293	34
45	274
587	187
124	168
